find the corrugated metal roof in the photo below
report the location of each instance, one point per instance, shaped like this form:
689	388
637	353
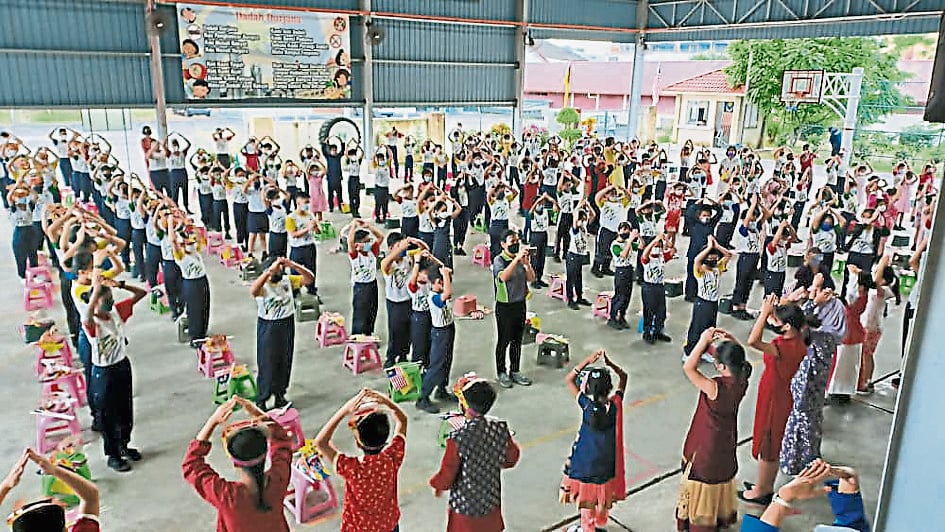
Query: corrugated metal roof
430	41
420	83
475	9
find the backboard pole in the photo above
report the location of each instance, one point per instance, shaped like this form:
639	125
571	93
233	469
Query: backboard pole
849	120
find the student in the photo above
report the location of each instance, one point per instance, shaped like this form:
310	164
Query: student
396	267
275	201
594	473
196	288
612	203
220	219
173	281
731	205
370	502
274	292
675	200
254	502
776	252
845	373
539	214
157	167
409	217
568	197
460	194
250	153
45	515
748	257
708	267
23	239
302	227
178	180
318	203
578	256
420	321
110	386
382	175
622	248
205	195
364	246
701	218
644	220
499	200
475	456
823	232
442	337
352	166
333	158
427	195
885	284
782	357
706	497
653	292
221	142
813	264
862	241
257	223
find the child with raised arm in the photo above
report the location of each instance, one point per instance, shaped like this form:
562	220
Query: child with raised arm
45	515
370	502
364	245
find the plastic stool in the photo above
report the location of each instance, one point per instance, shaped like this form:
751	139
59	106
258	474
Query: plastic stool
65	380
307	308
411	373
235	380
55	424
482	256
37	297
451	421
673	287
556	288
289	419
231	255
553	351
602	305
361	356
327	231
38	276
158	301
33	328
51	353
210	360
465	305
907	280
302	489
215	242
330	330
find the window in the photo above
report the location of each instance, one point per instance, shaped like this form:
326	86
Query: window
697	113
751	116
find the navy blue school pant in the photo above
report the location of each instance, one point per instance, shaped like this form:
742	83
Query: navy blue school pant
410	226
539	241
398	332
638	269
111	393
152	263
82	186
460	226
240	219
161	180
220	219
724	233
623	289
420	326
745	272
605	237
206	208
381	201
354	195
24	250
704	315
363	308
408	167
138	241
654	307
197	302
65	167
563	234
173	284
305	255
427	238
864	261
177	183
275	343
497	230
441	360
85	356
574	280
123	228
334	193
773	282
691	287
442	247
72	314
278	244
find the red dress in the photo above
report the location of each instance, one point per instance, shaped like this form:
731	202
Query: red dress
774	397
713	434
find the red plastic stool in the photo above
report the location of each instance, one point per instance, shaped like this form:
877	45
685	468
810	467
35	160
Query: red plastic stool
602	305
215	242
361	355
289	419
57	352
210	360
37	297
55	420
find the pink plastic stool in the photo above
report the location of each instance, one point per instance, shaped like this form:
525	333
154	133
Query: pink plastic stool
215	242
72	383
49	354
291	423
556	288
328	332
362	356
54	426
210	361
307	498
37	297
481	256
38	275
201	232
602	304
231	255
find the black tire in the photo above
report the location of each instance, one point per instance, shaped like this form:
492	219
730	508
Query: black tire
325	131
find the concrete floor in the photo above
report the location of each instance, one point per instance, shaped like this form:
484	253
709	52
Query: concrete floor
172	401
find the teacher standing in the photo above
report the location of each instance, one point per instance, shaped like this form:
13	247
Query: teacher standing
512	271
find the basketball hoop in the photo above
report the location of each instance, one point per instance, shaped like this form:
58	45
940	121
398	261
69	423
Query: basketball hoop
791	102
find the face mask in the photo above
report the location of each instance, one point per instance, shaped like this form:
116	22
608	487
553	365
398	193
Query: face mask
107	306
728	203
704	219
816	260
513	248
443	215
427	178
539	209
190	248
656	254
826	226
711	263
22	201
305	207
477	162
624	235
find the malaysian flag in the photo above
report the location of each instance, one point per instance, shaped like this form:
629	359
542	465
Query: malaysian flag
456	422
398	379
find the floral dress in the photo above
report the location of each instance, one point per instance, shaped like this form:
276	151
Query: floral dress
804	430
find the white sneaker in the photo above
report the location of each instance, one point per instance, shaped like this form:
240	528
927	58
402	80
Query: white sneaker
708	358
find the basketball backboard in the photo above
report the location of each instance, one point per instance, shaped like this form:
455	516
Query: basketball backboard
802	86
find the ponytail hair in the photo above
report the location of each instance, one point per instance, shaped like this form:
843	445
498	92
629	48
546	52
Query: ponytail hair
596	387
732	355
248	449
258	472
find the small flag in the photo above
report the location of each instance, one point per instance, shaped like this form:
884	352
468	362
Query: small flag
398	379
456	422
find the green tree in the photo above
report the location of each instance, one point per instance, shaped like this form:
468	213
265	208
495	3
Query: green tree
880	95
569	118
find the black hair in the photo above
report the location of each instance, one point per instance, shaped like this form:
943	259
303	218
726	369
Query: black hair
794	316
249	444
892	280
301	195
508	233
393	237
597	389
82	261
434	275
373	431
45	517
732	355
342	72
146	130
480	396
360	235
193	42
201	83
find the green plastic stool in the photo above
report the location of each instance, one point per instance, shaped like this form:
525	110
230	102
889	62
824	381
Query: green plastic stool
226	387
446	429
479	224
907	281
158	302
327	231
414	378
53	487
839	265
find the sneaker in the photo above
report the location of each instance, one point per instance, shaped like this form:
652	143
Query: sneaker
662	337
131	454
460	252
444	395
427	406
741	314
614	324
708	358
504	380
556	259
520	379
599	275
543	284
690	299
623	324
119	464
573	305
280	402
608	272
96	425
536	285
648	338
262	406
584	302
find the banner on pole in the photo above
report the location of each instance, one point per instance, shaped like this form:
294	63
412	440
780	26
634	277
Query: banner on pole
235	53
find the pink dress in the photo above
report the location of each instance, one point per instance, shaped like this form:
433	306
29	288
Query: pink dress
316	191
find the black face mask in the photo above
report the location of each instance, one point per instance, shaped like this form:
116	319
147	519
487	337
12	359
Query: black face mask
513	248
624	235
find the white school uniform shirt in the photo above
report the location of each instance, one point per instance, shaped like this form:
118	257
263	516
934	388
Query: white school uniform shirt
777	257
191	265
294	222
462	195
428	157
648	225
353	166
425	224
408	208
566	201
477	173
255	200
22	217
108	341
43	198
203	184
137	221
151	231
62	148
616	249
363	267
653	269
218	190
176	162
222	146
500	207
539	221
578	243
158	161
167	247
441	313
276	300
611	214
728	214
419	302
708	284
395	282
79	164
826	241
382	176
239	196
864	242
549	177
872	318
277	218
123	208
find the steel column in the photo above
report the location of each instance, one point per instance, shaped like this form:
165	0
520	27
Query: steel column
157	77
521	35
367	81
636	81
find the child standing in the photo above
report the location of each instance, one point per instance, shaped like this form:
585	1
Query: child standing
708	267
594	473
396	268
884	284
612	202
382	175
364	245
621	250
276	200
409	217
776	252
845	373
538	235
370	502
420	324
195	287
655	255
442	336
302	227
316	189
577	257
474	458
352	166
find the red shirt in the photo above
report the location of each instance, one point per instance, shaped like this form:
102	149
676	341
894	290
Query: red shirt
529	195
86	523
807	160
145	147
235	504
371	488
